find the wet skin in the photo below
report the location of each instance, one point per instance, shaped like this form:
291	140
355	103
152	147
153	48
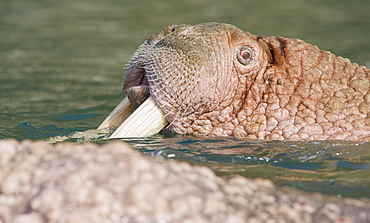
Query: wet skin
217	80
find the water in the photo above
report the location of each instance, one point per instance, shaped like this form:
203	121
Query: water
61	72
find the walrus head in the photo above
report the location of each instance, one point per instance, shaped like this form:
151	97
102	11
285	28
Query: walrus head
198	75
215	79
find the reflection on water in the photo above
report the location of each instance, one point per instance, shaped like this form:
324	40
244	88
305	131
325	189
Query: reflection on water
61	72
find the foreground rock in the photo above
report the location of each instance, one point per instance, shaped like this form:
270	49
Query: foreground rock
40	182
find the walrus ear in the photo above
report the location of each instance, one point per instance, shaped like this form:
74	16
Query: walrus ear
266	48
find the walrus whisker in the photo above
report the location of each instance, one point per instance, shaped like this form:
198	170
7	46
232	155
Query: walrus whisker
158	96
173	108
187	105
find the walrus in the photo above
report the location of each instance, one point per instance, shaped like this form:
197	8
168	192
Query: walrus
213	79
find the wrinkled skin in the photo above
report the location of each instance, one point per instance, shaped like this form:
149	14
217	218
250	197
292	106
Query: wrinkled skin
217	80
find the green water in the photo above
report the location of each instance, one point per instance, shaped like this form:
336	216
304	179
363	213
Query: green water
61	69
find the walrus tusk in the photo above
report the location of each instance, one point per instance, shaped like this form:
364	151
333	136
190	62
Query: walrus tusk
148	119
119	114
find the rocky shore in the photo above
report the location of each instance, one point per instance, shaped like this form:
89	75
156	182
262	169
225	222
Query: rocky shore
41	182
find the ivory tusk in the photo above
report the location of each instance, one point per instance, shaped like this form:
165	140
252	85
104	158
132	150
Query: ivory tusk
148	119
119	114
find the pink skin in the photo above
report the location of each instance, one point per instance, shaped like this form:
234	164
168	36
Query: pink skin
217	80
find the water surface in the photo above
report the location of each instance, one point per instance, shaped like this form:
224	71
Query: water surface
61	69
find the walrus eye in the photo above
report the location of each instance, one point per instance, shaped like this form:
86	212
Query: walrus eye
244	55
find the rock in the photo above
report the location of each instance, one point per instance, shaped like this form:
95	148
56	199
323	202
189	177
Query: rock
40	182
